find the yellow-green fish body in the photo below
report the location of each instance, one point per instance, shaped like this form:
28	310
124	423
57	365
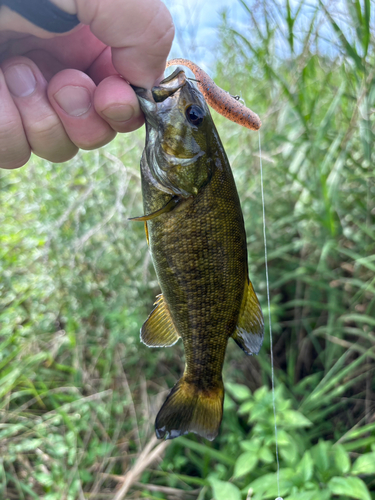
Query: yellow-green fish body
198	245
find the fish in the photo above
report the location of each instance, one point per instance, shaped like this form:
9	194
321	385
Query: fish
196	236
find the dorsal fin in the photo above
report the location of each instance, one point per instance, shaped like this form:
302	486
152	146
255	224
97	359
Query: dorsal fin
249	331
158	330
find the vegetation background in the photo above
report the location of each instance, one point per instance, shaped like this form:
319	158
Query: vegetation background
79	392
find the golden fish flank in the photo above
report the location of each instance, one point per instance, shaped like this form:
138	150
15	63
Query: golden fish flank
197	239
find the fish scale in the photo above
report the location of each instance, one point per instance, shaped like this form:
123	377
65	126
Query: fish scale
197	241
203	271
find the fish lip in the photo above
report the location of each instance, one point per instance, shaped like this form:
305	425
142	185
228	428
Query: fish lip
143	93
164	89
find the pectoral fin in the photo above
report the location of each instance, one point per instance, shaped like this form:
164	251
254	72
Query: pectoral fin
164	210
250	327
158	330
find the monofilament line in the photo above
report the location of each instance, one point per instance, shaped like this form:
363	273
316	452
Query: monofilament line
269	319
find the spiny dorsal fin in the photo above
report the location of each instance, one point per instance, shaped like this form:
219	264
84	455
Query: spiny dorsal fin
249	331
158	330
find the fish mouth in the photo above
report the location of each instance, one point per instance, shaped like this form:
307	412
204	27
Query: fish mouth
169	85
166	88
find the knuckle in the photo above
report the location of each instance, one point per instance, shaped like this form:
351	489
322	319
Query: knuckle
49	140
10	128
45	128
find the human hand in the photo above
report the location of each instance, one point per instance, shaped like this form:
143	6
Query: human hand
59	93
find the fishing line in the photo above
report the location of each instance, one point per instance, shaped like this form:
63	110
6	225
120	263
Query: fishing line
269	321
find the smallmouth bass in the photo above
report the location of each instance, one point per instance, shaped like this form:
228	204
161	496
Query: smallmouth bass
196	235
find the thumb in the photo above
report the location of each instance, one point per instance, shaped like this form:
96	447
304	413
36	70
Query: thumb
140	33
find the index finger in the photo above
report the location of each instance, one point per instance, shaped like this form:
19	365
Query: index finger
140	33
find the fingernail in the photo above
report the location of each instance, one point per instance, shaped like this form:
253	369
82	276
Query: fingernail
75	101
119	112
20	80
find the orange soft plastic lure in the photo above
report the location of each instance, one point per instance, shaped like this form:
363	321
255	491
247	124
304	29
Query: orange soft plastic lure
218	99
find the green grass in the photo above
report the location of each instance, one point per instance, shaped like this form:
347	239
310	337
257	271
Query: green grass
80	392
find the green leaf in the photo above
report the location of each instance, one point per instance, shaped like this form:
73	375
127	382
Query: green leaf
305	467
283	438
245	463
262	483
320	455
350	49
294	418
223	490
342	459
322	495
229	404
305	495
252	445
238	391
288	448
246	407
44	478
361	318
25	446
358	432
266	455
266	485
352	487
365	464
366	19
207	450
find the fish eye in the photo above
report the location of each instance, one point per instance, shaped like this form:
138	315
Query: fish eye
194	114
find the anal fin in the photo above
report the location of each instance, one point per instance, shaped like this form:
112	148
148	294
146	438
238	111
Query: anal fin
249	331
158	330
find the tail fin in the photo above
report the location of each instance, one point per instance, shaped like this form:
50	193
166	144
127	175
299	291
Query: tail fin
191	409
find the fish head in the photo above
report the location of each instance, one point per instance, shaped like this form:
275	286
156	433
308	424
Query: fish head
178	135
